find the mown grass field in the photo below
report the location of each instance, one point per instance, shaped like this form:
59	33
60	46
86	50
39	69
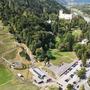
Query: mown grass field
5	74
13	85
61	57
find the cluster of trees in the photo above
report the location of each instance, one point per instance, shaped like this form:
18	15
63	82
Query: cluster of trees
83	52
69	87
81	73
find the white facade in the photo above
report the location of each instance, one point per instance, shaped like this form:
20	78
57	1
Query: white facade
84	41
65	16
49	21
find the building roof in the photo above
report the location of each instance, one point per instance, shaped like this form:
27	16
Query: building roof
17	64
38	71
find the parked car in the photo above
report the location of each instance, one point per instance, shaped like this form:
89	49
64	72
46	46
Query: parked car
77	86
39	82
74	65
70	69
67	80
71	75
74	82
46	79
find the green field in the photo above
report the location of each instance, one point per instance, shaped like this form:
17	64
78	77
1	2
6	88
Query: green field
53	88
7	46
61	57
5	75
18	86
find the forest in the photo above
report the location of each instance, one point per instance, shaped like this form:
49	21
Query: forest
28	22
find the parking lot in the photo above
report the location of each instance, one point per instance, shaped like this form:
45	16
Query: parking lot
70	77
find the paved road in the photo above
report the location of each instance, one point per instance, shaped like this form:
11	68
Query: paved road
86	86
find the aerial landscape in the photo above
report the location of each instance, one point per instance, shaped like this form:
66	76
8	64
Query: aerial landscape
44	44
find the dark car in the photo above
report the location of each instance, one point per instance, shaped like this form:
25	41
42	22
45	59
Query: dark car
78	86
74	82
66	80
71	75
74	65
70	69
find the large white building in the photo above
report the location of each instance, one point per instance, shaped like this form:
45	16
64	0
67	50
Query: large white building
65	16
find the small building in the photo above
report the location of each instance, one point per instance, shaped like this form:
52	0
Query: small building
84	41
49	21
17	65
65	16
38	72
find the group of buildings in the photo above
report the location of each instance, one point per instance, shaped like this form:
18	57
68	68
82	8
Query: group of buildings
39	76
65	16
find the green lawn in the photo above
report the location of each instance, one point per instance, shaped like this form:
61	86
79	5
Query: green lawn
15	84
60	57
19	86
5	75
53	88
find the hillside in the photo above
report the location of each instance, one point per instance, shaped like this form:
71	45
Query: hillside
38	6
27	20
8	48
